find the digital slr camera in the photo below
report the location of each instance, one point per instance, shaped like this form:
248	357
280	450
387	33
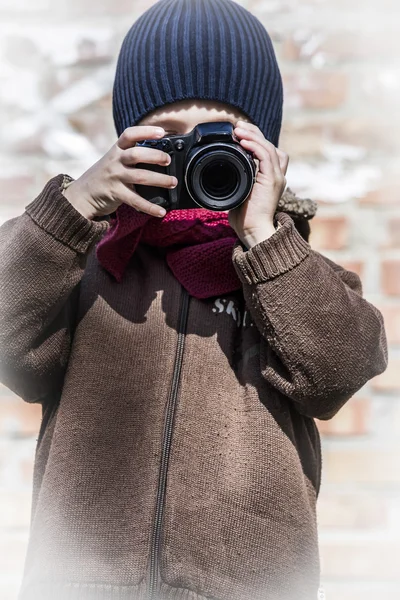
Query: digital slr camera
213	170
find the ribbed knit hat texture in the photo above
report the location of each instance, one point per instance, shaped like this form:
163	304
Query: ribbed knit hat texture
204	49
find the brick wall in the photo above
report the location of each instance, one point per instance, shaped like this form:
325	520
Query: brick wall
341	129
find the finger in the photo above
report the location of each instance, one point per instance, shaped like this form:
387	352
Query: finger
147	177
283	159
266	166
250	127
127	195
251	135
139	154
131	135
253	128
267	156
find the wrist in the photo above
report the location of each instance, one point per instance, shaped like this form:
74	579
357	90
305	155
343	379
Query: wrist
259	235
74	198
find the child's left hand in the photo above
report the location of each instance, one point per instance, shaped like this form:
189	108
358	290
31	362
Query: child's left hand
253	220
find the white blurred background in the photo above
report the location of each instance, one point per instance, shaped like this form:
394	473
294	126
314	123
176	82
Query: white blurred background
340	63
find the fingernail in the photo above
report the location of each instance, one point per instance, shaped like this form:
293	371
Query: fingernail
162	212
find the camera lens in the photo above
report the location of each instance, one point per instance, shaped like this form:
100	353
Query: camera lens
219	179
218	176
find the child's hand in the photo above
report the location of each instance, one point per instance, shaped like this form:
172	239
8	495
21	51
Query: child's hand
110	181
253	220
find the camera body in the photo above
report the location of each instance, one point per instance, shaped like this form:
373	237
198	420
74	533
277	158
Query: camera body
213	170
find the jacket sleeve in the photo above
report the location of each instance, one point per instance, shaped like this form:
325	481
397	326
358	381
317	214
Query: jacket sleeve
43	253
321	341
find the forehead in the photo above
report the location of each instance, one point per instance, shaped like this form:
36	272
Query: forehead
184	111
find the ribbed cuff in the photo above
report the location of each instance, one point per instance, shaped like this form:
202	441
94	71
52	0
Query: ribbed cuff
55	214
282	251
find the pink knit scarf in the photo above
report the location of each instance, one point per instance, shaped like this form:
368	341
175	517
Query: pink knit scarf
199	246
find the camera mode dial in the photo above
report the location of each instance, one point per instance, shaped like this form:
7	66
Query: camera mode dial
179	145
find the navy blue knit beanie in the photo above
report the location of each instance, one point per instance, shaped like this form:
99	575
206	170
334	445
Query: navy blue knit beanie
205	49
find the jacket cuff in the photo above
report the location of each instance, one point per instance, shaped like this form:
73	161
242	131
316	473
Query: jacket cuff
55	214
282	251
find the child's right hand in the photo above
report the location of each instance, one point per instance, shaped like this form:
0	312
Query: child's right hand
111	180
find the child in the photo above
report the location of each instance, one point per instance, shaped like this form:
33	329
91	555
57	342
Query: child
179	361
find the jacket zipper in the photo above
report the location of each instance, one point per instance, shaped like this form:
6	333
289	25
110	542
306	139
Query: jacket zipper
168	426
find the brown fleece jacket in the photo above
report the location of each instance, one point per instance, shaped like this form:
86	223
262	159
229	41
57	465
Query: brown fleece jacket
178	456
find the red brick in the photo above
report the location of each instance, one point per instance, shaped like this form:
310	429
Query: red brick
372	134
17	189
308	139
356	266
303	140
353	45
17	416
29	143
17	461
351	510
105	103
392	238
390	277
291	49
374	464
93	53
93	124
315	89
389	380
352	419
391	317
329	232
384	195
27	465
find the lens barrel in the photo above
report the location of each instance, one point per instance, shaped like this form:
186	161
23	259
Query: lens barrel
219	176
